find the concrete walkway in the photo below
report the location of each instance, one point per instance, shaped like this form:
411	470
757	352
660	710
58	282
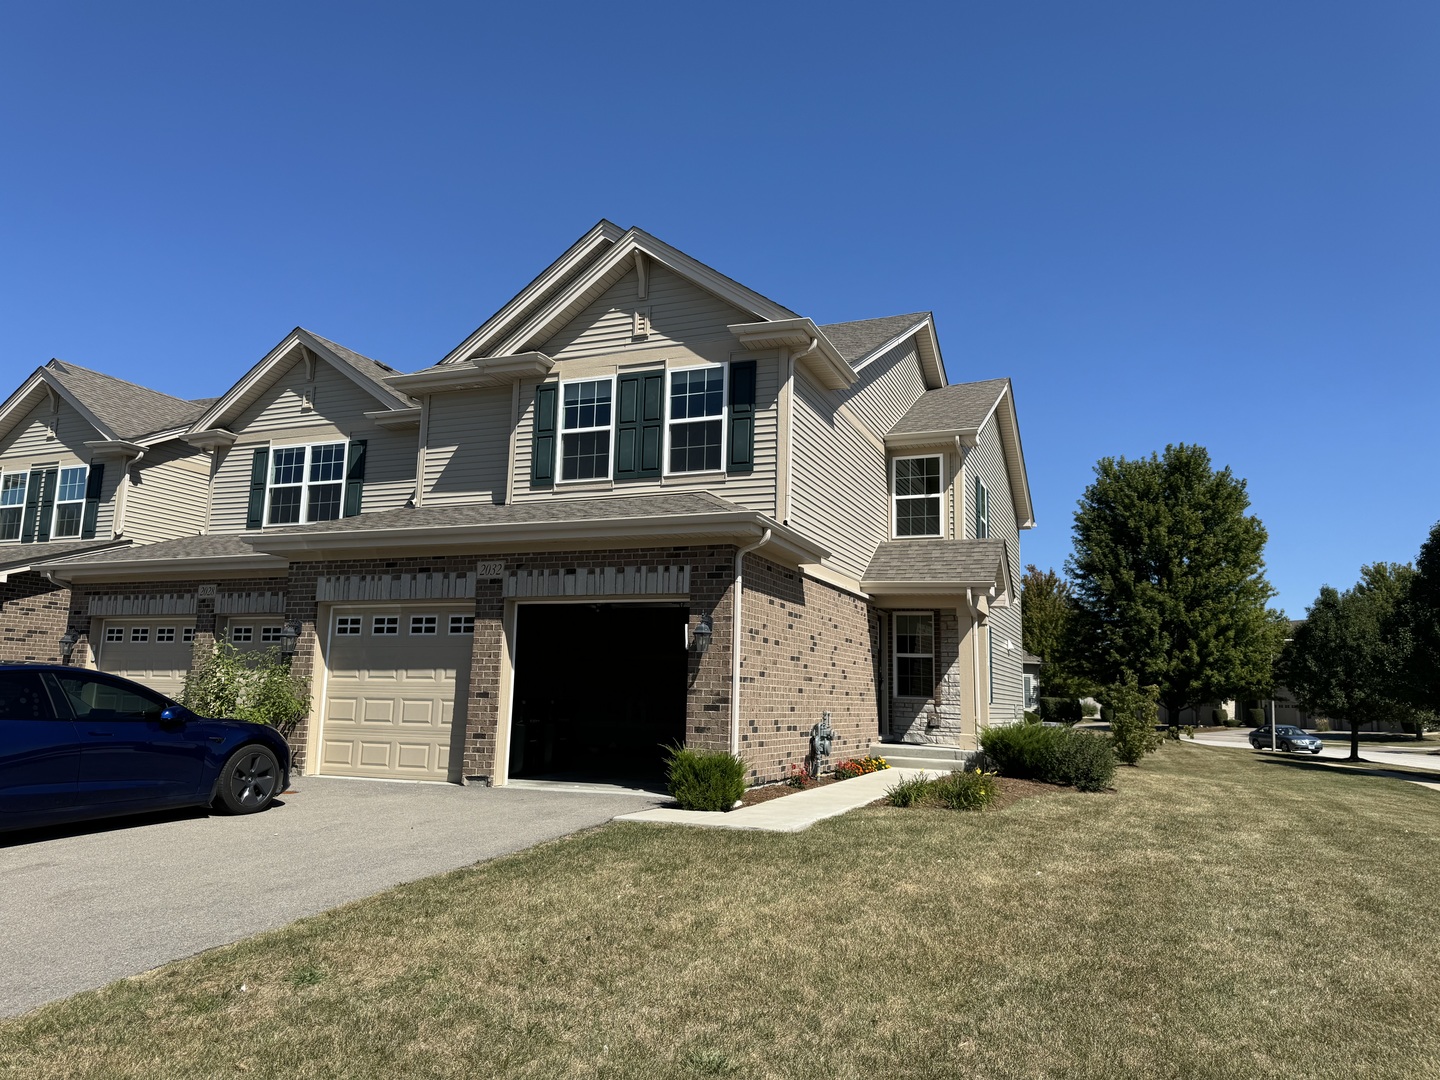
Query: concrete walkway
789	813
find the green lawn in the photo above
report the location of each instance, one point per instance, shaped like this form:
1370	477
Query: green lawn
1219	916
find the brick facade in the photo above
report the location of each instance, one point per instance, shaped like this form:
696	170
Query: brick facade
33	615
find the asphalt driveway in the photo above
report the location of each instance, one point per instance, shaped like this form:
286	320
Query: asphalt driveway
87	905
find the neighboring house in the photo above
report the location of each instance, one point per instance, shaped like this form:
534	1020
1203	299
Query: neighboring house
1031	665
87	462
641	505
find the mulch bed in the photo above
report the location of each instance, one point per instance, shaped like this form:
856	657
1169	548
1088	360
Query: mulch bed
1012	790
776	791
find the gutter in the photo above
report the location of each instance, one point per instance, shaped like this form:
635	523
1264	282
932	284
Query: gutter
737	591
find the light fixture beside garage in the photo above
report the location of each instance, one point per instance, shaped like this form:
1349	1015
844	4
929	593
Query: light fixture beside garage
68	641
289	635
701	635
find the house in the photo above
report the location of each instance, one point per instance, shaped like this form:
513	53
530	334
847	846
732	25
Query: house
642	504
87	463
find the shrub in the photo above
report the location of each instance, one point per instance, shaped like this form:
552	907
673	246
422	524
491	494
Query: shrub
1032	717
853	767
1256	717
257	687
704	779
909	792
1051	755
1060	710
799	776
1133	712
1089	710
966	790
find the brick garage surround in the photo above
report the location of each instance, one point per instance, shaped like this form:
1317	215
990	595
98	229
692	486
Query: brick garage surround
33	616
807	648
707	700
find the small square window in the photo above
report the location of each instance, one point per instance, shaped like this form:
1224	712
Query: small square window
187	635
347	625
241	634
114	633
270	635
462	624
139	633
165	634
385	625
423	624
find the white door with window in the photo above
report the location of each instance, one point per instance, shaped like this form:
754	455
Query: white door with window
394	675
153	652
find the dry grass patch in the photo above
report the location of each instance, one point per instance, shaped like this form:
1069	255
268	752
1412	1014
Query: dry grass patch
1218	917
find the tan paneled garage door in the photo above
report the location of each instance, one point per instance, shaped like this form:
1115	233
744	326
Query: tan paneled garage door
153	652
395	673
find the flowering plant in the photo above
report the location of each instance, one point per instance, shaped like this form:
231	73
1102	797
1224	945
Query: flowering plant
852	767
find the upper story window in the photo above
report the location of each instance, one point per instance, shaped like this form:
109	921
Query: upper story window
982	510
69	502
917	496
697	414
307	483
585	430
12	504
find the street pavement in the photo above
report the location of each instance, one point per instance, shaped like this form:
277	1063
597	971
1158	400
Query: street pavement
1337	746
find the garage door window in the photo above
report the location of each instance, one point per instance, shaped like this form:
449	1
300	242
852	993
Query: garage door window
114	633
165	633
423	624
187	635
385	625
462	624
241	635
348	625
270	635
139	633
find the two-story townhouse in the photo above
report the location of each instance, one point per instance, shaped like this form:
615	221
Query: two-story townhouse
641	505
87	463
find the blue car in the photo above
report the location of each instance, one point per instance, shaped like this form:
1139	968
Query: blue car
78	744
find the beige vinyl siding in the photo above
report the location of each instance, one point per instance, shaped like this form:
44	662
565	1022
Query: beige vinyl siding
168	494
31	442
988	462
277	418
680	313
754	490
839	487
467	444
887	387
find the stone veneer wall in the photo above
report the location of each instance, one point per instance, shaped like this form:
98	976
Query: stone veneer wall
33	614
807	648
940	719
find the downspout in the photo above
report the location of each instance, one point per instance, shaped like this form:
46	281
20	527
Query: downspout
736	590
974	606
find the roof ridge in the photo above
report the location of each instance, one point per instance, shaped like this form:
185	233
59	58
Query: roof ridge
71	365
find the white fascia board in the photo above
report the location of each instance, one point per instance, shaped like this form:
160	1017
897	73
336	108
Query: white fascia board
1019	478
712	281
911	440
134	569
605	232
213	439
824	361
116	446
394	419
475	373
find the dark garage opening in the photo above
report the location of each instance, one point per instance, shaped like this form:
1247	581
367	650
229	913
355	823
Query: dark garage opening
599	690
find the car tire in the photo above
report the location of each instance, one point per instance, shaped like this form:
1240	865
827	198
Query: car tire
249	780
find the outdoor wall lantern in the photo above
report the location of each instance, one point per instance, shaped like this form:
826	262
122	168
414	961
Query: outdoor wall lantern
289	635
701	635
68	641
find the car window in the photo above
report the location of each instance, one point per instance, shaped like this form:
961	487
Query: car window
94	697
22	697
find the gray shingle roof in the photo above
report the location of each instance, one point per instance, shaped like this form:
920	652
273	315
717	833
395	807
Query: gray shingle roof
862	337
12	555
373	370
602	509
959	407
953	562
212	546
129	410
1030	658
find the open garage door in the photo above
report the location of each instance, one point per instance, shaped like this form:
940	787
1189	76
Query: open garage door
153	652
395	673
599	690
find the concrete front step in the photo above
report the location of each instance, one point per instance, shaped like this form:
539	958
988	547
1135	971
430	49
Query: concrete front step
935	759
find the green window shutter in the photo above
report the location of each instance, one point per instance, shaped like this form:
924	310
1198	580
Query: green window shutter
92	502
542	449
639	425
354	477
742	418
259	468
40	505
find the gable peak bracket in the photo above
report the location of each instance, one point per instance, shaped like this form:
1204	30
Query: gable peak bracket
642	274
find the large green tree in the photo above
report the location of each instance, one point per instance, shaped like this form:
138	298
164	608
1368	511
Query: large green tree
1048	609
1419	620
1168	577
1347	659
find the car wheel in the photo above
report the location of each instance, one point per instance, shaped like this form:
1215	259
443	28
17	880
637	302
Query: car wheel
249	781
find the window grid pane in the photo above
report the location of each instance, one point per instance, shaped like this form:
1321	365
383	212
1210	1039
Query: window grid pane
423	624
347	625
695	447
12	504
462	624
917	496
914	655
72	485
385	625
585	442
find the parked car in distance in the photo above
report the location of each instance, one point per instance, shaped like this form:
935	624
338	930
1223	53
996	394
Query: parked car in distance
1287	737
78	744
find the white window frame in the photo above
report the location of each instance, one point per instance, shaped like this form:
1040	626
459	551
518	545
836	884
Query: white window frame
139	635
160	635
429	625
247	628
305	481
270	635
115	635
385	626
896	654
187	635
349	625
55	533
724	419
561	431
895	498
1027	682
462	624
24	489
982	510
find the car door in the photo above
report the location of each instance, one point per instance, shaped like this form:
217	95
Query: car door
128	754
39	751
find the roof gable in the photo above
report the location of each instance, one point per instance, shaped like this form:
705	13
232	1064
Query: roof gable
117	410
302	345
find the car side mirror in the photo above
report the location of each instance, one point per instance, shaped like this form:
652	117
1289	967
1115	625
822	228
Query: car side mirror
175	714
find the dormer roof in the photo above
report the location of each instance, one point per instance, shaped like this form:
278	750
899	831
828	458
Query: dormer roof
119	411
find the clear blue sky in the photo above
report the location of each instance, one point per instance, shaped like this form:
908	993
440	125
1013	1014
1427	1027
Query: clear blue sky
1214	223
